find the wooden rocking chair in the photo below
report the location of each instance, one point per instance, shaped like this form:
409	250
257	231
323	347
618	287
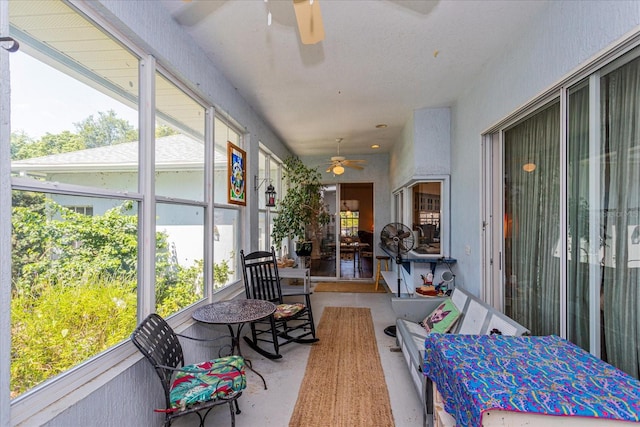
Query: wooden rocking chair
291	322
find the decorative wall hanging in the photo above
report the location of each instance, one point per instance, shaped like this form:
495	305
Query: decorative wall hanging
236	169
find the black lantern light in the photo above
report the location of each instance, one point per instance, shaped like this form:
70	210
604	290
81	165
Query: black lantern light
270	194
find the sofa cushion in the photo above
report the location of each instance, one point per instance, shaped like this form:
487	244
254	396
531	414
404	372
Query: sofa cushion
442	318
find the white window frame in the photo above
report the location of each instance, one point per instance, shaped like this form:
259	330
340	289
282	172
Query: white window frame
37	406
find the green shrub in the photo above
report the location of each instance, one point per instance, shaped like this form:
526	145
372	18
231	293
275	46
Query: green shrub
74	285
65	325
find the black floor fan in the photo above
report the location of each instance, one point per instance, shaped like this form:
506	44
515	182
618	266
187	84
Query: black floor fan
396	239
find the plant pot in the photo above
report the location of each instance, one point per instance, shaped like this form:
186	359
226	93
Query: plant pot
304	248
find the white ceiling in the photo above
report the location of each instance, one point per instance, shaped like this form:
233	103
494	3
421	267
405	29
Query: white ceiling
380	60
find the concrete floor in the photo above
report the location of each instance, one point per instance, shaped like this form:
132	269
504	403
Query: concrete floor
274	406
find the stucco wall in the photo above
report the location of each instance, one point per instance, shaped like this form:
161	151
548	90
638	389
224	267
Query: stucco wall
424	146
432	141
565	36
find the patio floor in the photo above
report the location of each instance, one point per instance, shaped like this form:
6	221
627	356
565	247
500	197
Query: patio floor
274	406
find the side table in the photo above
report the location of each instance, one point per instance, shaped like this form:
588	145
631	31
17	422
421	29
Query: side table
303	274
235	313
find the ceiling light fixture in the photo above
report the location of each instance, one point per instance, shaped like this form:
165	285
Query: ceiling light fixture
374	146
338	170
381	126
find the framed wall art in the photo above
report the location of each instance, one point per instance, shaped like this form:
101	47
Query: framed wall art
237	171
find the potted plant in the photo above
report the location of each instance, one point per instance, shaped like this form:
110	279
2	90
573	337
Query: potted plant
302	211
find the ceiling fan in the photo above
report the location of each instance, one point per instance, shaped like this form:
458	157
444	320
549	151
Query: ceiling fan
338	163
307	12
309	21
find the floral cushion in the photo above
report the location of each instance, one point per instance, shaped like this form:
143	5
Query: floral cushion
208	381
288	310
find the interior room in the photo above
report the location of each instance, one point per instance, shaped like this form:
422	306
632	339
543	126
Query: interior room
469	168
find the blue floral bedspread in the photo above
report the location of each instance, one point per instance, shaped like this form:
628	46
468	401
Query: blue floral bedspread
550	375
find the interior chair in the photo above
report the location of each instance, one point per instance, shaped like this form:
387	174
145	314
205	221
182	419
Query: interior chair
366	237
291	322
191	388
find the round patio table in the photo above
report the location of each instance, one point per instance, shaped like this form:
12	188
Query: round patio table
235	313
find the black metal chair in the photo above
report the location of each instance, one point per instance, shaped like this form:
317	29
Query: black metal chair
292	322
191	388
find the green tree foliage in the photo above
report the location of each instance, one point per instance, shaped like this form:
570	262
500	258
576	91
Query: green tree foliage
106	129
302	211
221	273
74	285
18	141
49	144
74	277
164	130
55	245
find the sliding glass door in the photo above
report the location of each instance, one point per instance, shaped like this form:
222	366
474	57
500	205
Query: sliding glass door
346	250
618	176
531	215
571	215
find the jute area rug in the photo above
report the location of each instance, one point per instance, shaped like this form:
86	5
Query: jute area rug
349	287
343	384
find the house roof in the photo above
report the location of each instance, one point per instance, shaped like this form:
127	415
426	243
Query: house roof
175	152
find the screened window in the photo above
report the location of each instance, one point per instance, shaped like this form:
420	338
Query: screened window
224	133
75	243
179	174
269	173
226	215
85	189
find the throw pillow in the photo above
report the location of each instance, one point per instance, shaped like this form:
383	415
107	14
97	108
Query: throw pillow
442	318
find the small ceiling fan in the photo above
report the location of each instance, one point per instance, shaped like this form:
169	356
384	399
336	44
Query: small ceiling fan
338	163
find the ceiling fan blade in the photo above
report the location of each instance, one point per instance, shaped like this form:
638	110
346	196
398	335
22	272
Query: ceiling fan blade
356	162
329	169
309	21
352	166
